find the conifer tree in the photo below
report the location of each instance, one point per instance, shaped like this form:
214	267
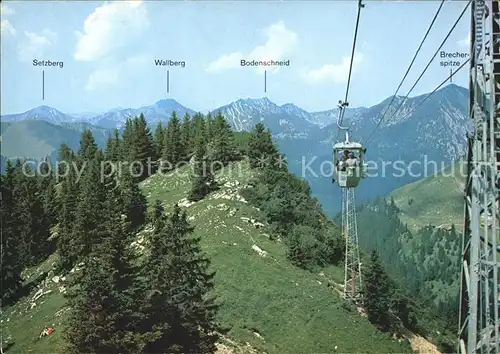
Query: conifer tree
128	141
49	197
261	149
65	156
116	156
112	159
202	177
145	148
104	297
67	201
199	129
376	292
11	271
156	213
404	306
177	306
159	140
209	127
94	306
32	230
131	151
186	139
134	201
10	261
222	140
90	207
171	147
113	151
88	146
108	150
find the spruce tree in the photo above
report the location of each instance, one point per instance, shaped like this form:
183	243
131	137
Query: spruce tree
49	196
177	305
65	158
156	213
261	150
128	141
134	201
108	150
202	177
104	297
145	148
159	139
199	129
11	271
186	139
90	207
376	292
112	156
222	140
88	146
113	150
404	306
171	147
33	229
67	202
103	311
209	127
94	307
10	261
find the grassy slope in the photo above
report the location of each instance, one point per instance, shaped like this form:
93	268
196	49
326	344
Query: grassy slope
436	199
293	311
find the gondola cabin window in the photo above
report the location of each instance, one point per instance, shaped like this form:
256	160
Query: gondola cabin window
348	162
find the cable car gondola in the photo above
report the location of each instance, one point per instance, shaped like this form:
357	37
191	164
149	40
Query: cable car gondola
348	158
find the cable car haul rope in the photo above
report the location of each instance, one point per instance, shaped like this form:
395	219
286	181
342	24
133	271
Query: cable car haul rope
347	155
348	160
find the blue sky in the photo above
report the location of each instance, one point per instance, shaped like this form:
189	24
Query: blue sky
109	48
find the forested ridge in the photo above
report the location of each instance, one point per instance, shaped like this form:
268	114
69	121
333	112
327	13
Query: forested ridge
120	301
426	263
88	210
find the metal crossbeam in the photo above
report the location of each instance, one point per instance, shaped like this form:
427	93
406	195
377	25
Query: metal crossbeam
479	325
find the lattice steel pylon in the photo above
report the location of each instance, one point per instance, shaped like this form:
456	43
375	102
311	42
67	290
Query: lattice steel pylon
352	275
480	293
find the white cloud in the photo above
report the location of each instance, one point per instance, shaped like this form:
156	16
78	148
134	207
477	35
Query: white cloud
7	29
111	77
227	61
280	42
109	27
102	78
334	73
34	45
6	11
464	43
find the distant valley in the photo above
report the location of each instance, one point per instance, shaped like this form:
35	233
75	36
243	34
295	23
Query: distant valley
433	131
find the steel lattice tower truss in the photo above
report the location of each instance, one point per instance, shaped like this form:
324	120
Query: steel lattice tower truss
352	277
480	292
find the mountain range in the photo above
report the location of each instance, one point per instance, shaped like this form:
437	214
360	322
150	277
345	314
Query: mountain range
420	131
416	142
286	120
